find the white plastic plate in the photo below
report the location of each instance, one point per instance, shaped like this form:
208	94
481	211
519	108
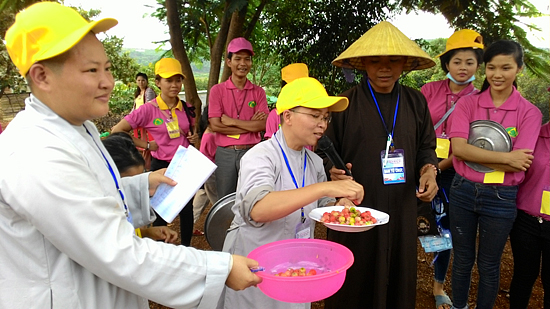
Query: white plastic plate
381	218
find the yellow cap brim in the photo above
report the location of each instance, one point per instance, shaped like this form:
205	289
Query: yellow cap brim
71	40
170	74
334	104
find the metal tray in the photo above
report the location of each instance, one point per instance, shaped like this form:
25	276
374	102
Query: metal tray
218	220
490	135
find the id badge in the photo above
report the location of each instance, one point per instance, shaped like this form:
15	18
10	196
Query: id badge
545	202
443	146
437	243
173	129
494	177
303	229
394	170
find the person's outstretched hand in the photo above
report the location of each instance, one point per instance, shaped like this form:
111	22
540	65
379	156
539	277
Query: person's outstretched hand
156	178
240	277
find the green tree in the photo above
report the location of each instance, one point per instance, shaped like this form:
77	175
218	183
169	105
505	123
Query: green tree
9	75
124	67
494	20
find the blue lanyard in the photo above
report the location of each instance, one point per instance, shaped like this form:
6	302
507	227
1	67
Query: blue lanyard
390	136
128	215
292	174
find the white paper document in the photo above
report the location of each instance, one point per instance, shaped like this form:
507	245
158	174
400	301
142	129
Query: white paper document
190	169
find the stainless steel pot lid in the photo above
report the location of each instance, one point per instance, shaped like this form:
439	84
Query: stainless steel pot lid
218	220
490	135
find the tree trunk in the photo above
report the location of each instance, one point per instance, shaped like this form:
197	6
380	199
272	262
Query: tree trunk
180	53
217	51
254	19
235	30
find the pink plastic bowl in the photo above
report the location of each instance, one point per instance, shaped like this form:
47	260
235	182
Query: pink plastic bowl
329	259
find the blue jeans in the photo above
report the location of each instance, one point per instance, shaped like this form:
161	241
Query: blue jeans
492	209
530	241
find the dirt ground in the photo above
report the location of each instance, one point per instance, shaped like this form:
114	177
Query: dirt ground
424	298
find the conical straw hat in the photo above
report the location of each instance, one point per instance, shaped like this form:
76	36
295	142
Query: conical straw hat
384	39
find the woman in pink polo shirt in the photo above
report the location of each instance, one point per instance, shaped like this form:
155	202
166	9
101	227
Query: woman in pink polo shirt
487	201
530	236
170	121
460	60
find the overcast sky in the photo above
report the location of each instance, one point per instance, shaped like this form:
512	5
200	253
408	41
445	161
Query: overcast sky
139	30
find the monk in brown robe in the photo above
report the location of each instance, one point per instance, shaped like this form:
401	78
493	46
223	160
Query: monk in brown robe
384	116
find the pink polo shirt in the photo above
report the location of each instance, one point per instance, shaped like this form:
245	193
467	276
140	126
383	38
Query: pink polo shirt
517	115
537	178
151	118
227	99
208	146
272	124
440	99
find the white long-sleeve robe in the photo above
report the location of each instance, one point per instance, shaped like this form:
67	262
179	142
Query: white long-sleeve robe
65	241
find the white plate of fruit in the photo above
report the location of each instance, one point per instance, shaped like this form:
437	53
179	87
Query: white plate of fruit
349	219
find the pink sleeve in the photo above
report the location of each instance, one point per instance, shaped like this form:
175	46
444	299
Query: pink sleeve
425	91
215	109
262	102
528	129
459	120
138	117
272	123
208	146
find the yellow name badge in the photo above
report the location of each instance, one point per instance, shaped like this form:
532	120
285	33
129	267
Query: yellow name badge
494	177
442	149
235	136
173	129
545	204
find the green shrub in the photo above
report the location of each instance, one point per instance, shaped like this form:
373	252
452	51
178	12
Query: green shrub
122	98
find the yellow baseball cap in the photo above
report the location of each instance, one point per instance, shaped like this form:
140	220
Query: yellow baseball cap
168	67
294	71
308	92
48	29
464	38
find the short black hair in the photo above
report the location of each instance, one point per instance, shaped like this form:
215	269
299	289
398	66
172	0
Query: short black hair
122	149
445	59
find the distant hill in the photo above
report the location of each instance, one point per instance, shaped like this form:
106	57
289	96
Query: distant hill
146	56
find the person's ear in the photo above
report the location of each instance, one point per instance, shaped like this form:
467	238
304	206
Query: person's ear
286	116
157	83
519	70
40	76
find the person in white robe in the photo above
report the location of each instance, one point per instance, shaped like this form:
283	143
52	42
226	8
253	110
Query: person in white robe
281	181
67	219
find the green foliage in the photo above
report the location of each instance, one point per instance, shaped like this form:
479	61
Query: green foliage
316	32
535	90
9	75
201	82
494	20
124	67
122	98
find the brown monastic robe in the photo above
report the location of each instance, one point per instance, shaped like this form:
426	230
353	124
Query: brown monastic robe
384	272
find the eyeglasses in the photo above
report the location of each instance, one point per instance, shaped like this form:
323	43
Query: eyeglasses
316	117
